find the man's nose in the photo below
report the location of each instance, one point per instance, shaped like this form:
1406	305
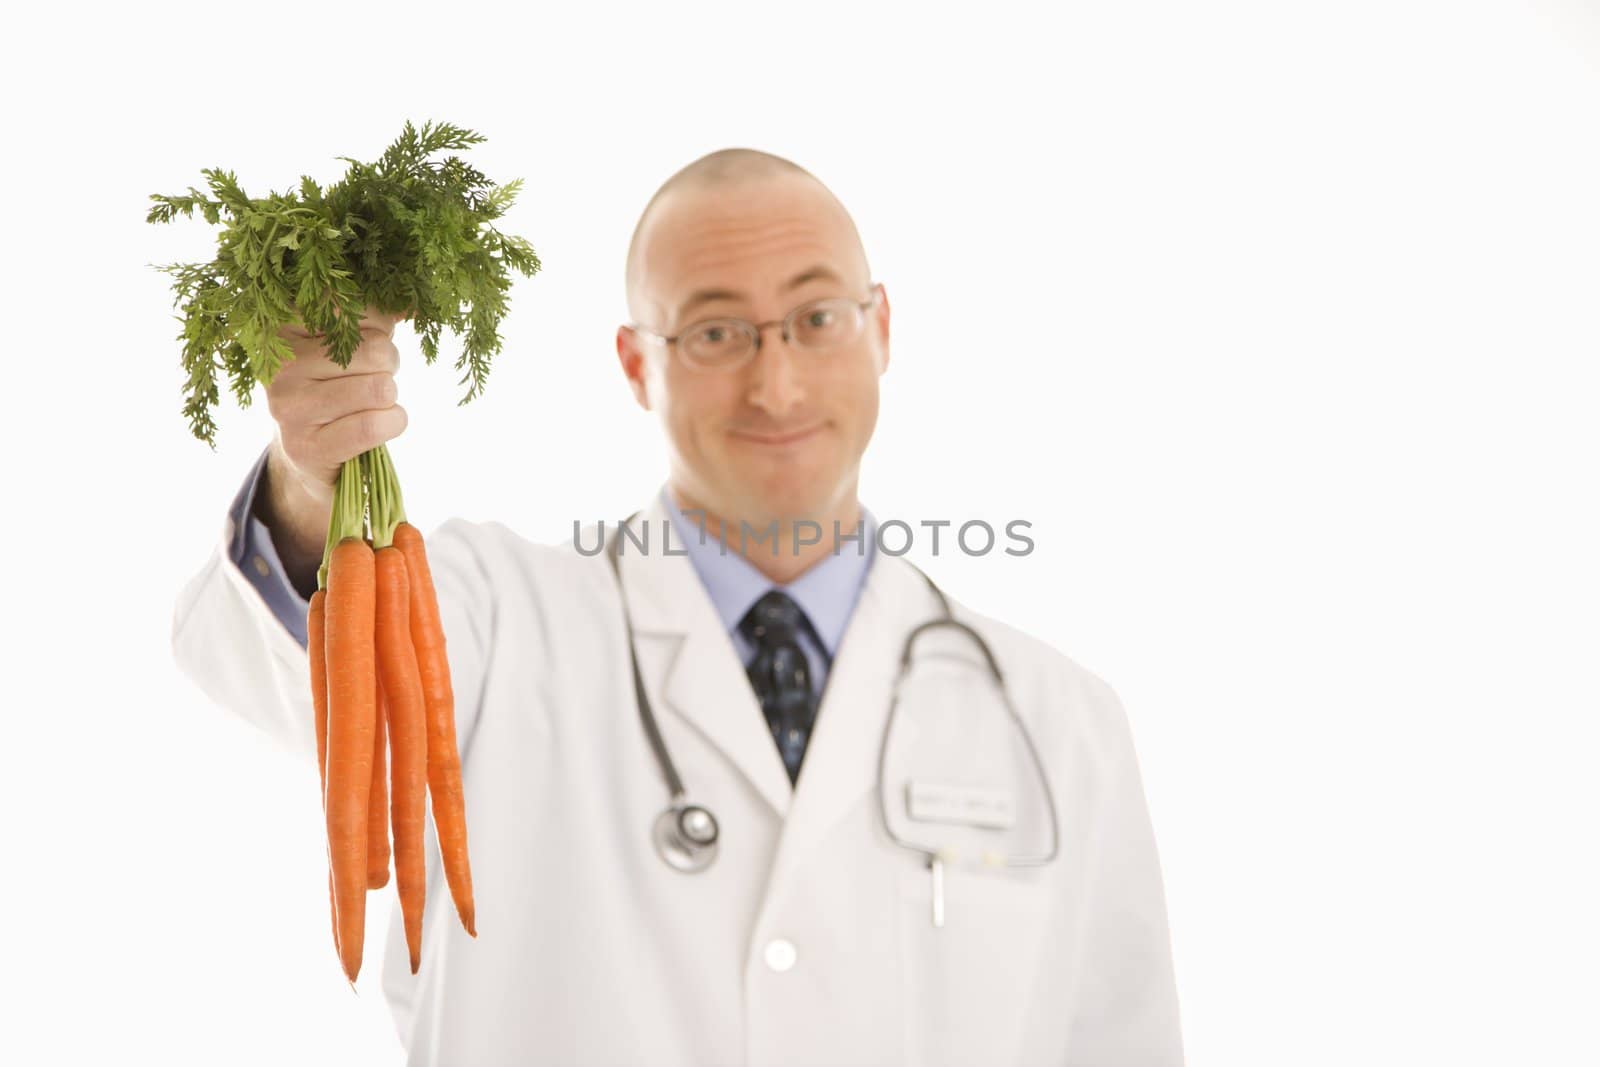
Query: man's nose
775	384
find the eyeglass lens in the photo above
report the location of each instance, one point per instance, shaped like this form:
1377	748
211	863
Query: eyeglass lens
818	326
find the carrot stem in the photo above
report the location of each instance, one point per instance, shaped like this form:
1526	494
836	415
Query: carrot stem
388	507
348	516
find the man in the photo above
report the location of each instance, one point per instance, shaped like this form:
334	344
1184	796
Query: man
770	668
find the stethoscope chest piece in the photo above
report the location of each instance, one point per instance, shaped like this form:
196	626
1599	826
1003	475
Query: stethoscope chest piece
686	837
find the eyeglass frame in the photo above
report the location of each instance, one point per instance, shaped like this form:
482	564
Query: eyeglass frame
759	328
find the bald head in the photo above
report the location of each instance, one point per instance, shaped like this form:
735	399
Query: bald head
727	171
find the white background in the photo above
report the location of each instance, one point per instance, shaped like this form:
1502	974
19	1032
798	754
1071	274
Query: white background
1278	322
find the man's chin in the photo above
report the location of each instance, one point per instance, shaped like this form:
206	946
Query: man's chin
784	500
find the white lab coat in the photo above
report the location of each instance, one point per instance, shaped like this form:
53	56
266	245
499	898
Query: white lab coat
809	940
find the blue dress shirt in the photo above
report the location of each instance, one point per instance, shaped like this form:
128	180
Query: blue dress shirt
826	592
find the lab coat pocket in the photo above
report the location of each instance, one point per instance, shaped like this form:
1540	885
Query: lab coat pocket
967	982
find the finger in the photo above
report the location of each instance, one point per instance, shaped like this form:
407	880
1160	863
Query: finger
382	321
373	323
376	352
334	398
360	431
295	331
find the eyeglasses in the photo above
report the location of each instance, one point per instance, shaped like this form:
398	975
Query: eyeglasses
723	344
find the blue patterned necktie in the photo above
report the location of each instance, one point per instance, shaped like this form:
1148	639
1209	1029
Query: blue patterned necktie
780	675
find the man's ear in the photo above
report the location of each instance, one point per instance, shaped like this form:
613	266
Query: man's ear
880	321
631	358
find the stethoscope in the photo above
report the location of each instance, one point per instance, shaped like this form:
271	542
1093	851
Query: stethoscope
686	835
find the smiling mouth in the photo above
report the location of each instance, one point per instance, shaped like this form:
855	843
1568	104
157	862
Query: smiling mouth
788	437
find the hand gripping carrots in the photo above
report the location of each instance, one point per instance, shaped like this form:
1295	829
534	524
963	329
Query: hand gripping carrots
383	712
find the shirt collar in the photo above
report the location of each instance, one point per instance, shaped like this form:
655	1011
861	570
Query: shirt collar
826	591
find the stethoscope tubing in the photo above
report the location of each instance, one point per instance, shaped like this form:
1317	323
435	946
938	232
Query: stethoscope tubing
684	851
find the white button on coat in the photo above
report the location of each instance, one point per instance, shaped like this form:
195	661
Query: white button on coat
780	955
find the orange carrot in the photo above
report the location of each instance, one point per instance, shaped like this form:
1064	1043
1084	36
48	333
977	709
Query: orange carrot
352	712
408	736
444	762
317	653
378	802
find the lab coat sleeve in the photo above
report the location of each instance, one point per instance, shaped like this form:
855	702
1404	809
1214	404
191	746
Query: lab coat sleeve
231	643
1124	1007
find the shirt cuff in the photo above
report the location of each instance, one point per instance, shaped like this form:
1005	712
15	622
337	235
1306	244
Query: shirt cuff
253	552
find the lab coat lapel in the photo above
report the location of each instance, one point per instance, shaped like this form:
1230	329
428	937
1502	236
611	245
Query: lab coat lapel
706	685
704	681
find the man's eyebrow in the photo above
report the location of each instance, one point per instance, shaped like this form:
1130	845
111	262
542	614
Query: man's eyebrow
705	296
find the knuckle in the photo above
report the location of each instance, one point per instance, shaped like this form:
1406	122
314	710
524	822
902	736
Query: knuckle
373	350
383	389
369	428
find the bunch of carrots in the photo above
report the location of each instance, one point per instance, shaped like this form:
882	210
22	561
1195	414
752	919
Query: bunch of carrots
406	233
384	711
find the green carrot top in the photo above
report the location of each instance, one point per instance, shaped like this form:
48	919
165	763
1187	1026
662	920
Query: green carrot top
405	235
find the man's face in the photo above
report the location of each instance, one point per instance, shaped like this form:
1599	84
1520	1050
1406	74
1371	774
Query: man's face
780	437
